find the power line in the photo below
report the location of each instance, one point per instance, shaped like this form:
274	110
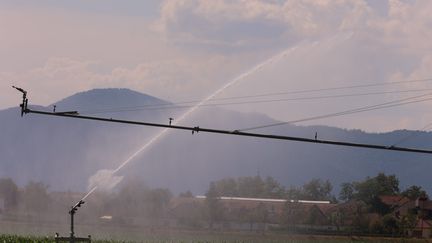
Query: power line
347	112
292	92
362	85
180	106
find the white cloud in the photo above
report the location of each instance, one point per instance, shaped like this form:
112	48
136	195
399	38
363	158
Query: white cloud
176	79
258	23
407	25
424	69
201	44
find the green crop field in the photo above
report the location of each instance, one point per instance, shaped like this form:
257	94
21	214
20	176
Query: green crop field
212	239
34	239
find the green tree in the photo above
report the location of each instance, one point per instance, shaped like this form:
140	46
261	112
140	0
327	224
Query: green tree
294	193
346	192
186	194
227	187
272	188
134	198
131	198
157	201
317	189
251	186
371	189
36	198
414	192
8	192
388	185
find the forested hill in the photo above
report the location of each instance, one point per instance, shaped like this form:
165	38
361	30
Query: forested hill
64	152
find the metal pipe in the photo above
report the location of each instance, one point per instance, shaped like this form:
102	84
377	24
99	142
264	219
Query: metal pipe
197	129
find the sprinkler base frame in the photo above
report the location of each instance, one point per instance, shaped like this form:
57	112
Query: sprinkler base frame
59	239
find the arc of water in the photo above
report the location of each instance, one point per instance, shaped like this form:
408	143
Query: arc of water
195	107
159	135
234	81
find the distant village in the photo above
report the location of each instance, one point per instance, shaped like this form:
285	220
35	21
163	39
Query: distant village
375	206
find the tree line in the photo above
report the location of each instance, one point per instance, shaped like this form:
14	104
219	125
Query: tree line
258	187
364	197
33	197
134	199
367	190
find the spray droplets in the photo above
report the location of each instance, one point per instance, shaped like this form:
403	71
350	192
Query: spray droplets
107	179
104	180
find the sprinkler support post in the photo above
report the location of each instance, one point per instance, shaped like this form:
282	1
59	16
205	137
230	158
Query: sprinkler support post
72	214
24	103
72	238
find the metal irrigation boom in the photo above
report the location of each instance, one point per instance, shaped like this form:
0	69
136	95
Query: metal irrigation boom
196	129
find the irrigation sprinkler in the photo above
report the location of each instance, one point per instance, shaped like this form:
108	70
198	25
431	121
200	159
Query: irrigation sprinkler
58	239
195	129
72	238
24	100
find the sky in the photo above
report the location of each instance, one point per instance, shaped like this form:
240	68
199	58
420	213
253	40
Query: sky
182	50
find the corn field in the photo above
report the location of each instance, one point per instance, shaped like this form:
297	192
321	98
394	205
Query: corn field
36	239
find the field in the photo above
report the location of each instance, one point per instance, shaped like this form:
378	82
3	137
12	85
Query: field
23	232
214	238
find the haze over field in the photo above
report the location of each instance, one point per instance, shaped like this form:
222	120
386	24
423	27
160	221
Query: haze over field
64	153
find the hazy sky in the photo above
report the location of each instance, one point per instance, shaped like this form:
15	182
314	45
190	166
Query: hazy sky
185	49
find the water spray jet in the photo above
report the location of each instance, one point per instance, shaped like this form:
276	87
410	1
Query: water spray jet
185	115
95	183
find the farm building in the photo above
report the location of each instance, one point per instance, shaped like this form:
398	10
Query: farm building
253	214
